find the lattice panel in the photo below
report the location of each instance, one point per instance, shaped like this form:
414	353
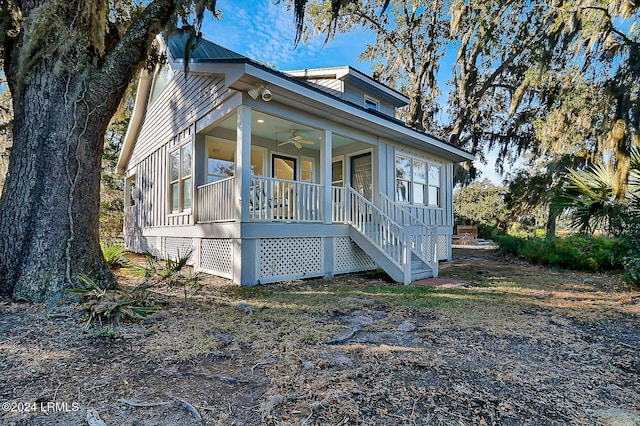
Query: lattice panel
216	255
349	257
178	247
288	258
425	245
443	246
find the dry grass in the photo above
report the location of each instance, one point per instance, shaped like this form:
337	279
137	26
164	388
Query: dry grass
521	343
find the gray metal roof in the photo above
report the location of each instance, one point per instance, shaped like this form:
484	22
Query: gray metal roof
204	49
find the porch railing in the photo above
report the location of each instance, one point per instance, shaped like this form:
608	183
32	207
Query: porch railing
287	200
338	204
376	226
432	216
216	201
423	237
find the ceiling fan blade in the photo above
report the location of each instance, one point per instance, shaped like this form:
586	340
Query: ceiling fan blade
297	144
283	143
306	142
296	137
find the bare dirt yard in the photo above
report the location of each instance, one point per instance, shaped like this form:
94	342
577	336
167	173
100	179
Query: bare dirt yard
518	344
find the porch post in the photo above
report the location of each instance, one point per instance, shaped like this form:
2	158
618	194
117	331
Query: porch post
325	175
243	163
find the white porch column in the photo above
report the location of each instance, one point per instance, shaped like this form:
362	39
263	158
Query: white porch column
243	163
325	174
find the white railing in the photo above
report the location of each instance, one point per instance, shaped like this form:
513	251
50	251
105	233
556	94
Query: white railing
424	238
279	199
338	204
430	216
216	201
379	228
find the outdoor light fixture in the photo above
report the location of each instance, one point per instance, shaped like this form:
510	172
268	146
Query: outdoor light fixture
260	91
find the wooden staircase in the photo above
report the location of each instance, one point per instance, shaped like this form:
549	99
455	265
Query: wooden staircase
406	251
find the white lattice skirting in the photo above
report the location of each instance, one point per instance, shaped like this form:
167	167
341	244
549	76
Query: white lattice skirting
349	257
443	246
216	256
175	248
289	258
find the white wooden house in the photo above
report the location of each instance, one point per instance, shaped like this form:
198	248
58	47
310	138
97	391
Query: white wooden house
268	176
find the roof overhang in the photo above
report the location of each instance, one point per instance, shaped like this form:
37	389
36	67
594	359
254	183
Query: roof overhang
291	91
244	74
351	74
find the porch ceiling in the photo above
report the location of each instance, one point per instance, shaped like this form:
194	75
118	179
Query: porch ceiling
279	130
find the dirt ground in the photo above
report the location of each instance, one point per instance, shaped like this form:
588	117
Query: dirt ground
517	344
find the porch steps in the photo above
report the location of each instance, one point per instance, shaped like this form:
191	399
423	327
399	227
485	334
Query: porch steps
419	270
378	255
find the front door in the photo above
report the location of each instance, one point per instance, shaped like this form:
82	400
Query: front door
284	168
361	175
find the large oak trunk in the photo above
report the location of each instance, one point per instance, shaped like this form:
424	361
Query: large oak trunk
49	209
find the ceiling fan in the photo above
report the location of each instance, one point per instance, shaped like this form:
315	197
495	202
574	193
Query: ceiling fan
296	140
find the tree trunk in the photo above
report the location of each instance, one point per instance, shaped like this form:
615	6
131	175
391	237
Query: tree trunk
63	99
49	210
552	219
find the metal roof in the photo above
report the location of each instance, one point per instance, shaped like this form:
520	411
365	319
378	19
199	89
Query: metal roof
204	49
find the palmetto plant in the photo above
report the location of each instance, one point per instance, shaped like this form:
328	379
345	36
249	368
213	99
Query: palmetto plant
592	199
112	307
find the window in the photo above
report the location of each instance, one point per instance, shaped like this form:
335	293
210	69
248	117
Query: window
434	185
371	103
306	169
337	173
417	182
258	156
131	191
161	79
181	187
220	158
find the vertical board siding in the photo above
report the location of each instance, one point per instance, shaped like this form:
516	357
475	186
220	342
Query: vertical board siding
151	206
181	103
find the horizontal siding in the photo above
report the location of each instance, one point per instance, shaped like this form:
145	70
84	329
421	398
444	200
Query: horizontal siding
356	96
332	86
179	105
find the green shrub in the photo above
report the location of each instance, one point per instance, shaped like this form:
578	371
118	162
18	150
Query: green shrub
574	252
114	256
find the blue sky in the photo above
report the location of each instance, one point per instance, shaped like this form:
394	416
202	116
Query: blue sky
265	32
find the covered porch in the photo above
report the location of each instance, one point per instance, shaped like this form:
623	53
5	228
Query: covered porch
253	166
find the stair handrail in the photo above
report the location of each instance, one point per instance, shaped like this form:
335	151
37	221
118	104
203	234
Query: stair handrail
387	204
394	232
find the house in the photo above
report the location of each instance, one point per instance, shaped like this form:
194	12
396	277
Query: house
267	176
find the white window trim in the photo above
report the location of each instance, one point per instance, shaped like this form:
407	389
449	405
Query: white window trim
265	158
313	168
374	101
428	163
178	148
335	160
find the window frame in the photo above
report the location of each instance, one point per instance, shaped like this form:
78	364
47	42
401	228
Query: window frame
412	183
371	100
182	178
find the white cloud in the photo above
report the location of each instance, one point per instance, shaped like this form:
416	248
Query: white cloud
263	31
